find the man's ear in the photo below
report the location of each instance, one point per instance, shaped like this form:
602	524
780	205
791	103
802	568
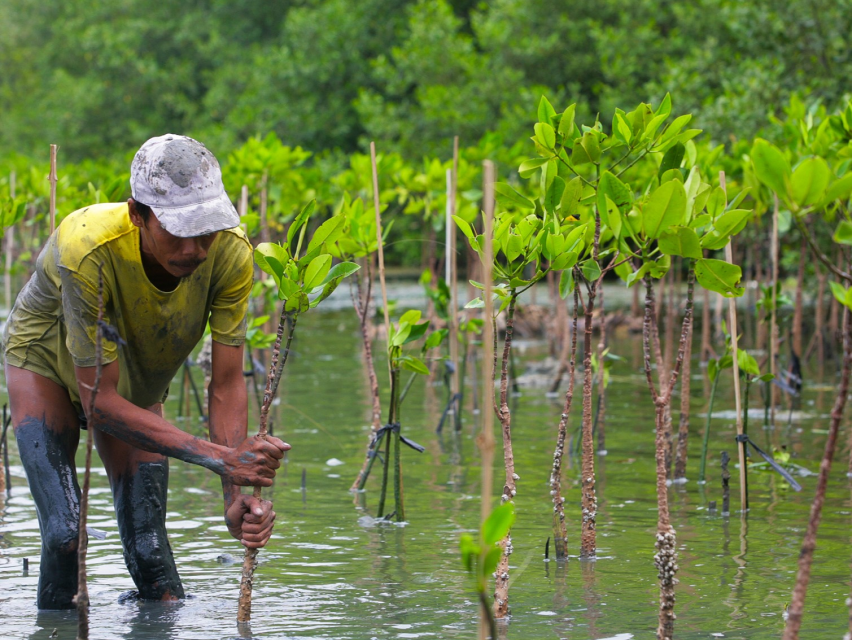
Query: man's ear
135	218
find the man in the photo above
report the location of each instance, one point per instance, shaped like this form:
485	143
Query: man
173	259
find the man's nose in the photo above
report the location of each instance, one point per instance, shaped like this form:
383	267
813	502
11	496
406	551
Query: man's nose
193	247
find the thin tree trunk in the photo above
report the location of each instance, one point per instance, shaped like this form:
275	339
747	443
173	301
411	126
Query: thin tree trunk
501	589
666	543
588	535
600	418
560	533
797	600
362	308
706	328
683	429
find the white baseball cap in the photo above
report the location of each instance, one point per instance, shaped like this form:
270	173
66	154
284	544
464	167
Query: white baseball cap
180	179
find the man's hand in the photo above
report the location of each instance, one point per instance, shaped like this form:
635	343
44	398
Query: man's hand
250	520
253	463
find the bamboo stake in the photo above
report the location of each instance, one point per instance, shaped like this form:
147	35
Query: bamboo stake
381	251
10	247
53	179
732	314
486	437
82	597
455	379
773	320
273	378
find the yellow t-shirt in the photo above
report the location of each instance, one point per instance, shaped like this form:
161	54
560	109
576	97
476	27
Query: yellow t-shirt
51	328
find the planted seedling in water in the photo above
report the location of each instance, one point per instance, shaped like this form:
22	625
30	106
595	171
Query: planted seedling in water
303	282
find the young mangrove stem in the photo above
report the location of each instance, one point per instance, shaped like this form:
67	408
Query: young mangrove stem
273	377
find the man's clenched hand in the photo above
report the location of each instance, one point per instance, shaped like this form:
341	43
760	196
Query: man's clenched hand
249	520
253	463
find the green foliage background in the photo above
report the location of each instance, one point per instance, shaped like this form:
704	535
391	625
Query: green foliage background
100	77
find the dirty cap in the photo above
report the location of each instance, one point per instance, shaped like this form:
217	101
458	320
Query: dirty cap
181	181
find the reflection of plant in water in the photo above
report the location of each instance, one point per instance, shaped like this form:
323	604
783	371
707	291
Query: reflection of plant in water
480	558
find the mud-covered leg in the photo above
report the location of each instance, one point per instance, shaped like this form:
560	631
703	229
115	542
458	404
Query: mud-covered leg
140	507
47	455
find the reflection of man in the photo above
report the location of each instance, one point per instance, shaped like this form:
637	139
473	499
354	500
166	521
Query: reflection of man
170	265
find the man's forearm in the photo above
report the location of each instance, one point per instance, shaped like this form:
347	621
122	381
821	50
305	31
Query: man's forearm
148	431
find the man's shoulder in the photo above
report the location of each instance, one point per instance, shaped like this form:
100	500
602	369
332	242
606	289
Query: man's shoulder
86	230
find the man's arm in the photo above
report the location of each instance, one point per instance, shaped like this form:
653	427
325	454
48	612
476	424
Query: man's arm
249	519
250	462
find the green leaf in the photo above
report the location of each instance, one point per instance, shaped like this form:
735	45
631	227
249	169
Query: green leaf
731	222
611	216
553	197
566	124
716	203
680	241
712	369
414	364
529	167
327	232
666	207
491	560
571	198
510	195
417	332
610	186
809	181
843	234
297	303
341	270
591	270
435	339
317	270
747	362
300	220
514	248
498	524
771	167
839	189
545	110
566	260
659	267
719	276
672	159
469	551
411	317
465	227
839	292
545	135
566	283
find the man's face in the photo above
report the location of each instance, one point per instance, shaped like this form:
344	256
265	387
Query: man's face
180	257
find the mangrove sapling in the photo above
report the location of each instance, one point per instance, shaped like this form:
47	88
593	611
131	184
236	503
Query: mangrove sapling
407	330
480	558
303	281
797	600
359	241
683	426
560	533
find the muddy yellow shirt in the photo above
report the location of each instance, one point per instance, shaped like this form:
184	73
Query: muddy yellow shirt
52	325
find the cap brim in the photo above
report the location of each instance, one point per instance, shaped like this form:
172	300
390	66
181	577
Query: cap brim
198	219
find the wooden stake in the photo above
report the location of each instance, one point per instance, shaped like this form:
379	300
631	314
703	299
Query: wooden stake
455	382
53	179
486	437
381	251
773	320
10	248
732	314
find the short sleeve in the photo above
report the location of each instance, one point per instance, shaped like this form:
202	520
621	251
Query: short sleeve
80	309
231	289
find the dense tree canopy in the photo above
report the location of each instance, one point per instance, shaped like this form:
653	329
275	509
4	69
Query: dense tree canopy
99	77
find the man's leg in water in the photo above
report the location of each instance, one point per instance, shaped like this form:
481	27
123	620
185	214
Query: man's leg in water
47	430
139	481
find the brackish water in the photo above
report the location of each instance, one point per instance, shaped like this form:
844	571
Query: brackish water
329	572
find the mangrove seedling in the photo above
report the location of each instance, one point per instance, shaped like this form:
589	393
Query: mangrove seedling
480	558
303	282
407	330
